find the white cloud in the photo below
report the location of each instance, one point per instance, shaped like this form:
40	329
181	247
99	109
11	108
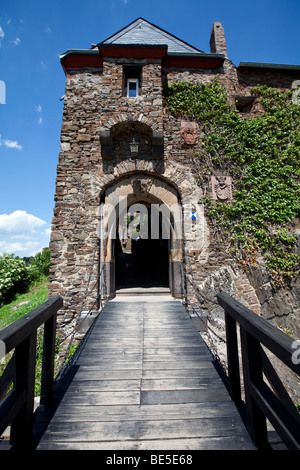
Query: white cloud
19	222
11	144
2	34
23	234
38	109
29	248
17	41
48	232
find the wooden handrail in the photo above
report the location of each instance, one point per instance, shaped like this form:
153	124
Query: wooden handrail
16	407
263	399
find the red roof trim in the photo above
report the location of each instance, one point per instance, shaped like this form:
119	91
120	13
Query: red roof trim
205	61
136	51
77	61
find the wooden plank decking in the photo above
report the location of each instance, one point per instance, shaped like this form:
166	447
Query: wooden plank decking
144	380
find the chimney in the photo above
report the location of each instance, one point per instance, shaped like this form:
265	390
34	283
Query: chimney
217	39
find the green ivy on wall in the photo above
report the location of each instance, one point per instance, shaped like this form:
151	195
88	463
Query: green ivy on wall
262	154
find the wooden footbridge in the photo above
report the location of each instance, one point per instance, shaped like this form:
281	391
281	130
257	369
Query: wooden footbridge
144	379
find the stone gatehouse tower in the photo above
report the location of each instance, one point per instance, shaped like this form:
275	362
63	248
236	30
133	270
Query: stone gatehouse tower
120	147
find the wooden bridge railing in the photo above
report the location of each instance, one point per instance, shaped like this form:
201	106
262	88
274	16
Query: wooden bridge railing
17	406
264	399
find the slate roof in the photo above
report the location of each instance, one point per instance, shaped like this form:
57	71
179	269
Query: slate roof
141	32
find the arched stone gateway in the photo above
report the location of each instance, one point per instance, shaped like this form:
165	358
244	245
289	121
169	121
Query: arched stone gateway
141	235
88	246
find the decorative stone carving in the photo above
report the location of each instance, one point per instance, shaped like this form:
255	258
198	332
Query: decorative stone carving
189	135
141	186
221	188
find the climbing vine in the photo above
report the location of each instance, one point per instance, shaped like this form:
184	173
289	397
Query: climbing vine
262	154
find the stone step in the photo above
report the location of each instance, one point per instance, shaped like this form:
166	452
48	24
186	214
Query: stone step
143	291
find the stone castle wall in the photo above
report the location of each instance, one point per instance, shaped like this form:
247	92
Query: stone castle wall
94	102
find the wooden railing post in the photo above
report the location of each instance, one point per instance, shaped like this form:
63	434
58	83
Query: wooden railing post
233	358
252	369
48	361
17	406
25	359
265	394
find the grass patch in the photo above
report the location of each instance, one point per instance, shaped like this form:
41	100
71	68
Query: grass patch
36	296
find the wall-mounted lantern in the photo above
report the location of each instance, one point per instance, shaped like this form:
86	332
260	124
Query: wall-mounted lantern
134	148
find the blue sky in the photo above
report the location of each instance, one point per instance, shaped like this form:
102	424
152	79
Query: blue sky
33	34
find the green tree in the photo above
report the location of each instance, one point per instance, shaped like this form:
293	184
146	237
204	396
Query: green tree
40	265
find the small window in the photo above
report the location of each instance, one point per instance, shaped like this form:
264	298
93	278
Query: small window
132	76
132	87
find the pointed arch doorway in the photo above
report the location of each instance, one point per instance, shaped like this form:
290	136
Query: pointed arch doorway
141	241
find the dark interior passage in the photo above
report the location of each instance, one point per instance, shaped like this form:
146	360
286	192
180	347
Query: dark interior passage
146	266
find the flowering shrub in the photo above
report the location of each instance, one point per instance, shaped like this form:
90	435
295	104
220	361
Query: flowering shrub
14	277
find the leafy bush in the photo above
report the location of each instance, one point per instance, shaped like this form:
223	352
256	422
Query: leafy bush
39	265
14	277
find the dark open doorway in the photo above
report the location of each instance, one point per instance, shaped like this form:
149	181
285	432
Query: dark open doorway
142	262
146	266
